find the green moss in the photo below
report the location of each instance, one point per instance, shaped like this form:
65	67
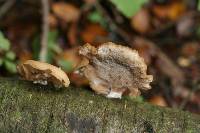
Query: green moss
34	108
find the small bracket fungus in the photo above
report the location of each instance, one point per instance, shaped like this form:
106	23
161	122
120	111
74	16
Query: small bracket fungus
113	70
42	73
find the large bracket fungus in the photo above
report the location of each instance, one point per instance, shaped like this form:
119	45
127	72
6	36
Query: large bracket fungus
113	70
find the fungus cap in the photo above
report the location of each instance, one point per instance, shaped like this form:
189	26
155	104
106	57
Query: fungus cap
115	68
41	72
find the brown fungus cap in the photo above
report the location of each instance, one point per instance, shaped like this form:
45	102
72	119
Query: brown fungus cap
114	69
40	72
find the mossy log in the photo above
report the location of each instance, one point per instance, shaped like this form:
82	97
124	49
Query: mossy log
26	107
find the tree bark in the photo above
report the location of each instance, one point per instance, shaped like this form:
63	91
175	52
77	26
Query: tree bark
25	107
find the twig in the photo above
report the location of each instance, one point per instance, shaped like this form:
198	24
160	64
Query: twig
6	6
45	30
113	25
195	88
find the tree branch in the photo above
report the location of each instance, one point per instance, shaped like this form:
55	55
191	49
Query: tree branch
25	107
6	7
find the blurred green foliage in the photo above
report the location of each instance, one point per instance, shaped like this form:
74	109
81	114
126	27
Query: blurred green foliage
129	7
53	47
65	65
4	43
96	17
198	31
7	56
53	50
137	98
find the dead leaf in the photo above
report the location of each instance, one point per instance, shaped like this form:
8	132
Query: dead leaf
158	100
171	11
24	55
72	34
94	33
66	11
78	80
91	2
190	49
141	21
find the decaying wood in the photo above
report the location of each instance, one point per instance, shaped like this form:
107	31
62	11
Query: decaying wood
25	107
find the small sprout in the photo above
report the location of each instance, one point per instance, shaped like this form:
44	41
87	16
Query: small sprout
114	70
42	73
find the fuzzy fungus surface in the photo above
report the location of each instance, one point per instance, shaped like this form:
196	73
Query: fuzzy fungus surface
43	73
113	70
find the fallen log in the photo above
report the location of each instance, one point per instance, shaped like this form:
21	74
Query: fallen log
26	107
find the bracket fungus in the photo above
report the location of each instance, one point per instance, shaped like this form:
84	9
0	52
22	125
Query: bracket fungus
113	70
42	73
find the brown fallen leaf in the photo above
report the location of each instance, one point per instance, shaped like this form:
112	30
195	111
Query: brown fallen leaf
25	55
40	72
66	11
190	49
94	33
91	2
114	69
158	100
141	22
78	80
72	34
171	11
